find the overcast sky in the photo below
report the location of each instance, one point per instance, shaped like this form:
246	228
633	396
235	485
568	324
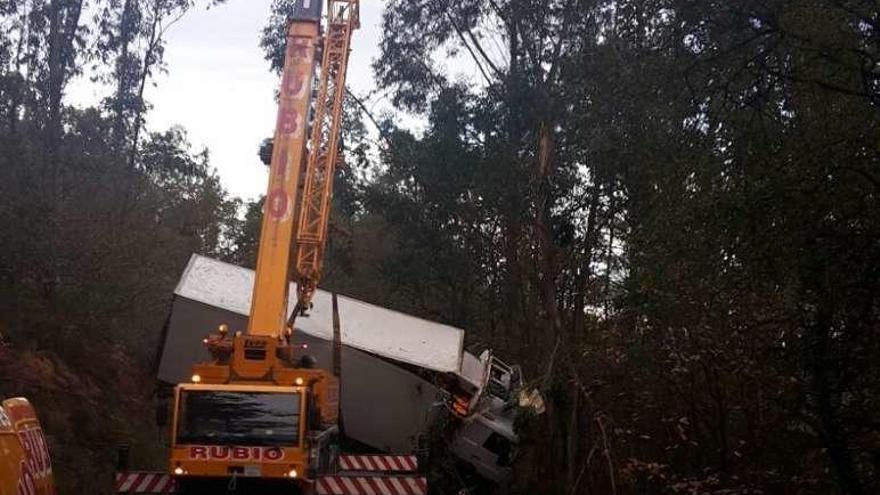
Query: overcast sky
220	89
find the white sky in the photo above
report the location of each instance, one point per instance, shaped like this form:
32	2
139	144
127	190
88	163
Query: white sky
220	89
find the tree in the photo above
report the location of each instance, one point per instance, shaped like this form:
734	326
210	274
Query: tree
132	45
93	247
680	197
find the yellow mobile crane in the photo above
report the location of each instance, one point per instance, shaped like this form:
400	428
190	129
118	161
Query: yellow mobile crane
259	414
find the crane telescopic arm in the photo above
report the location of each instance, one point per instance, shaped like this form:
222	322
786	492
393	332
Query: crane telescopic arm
295	221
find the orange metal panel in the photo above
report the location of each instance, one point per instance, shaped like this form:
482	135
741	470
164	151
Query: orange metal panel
25	468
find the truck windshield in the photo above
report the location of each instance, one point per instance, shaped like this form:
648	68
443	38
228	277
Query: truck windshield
265	419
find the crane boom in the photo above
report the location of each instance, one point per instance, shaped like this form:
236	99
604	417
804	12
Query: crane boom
324	150
268	314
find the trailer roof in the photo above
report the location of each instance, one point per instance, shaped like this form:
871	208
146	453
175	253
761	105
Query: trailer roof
364	326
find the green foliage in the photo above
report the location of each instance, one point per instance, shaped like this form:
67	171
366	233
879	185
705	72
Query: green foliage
666	210
92	253
274	37
98	223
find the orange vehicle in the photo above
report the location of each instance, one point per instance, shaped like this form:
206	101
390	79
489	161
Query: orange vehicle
25	468
259	414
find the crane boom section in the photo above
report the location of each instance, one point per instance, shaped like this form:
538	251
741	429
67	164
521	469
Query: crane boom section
324	149
268	314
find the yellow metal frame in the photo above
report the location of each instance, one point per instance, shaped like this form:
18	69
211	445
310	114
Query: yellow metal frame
343	17
21	464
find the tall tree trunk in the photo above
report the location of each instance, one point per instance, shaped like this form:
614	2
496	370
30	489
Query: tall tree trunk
19	87
571	442
584	271
543	229
154	40
64	17
127	33
609	255
546	281
827	399
55	78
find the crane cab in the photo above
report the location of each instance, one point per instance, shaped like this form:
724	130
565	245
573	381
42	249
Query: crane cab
246	430
252	417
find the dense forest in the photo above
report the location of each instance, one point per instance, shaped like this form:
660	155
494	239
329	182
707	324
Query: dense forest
667	210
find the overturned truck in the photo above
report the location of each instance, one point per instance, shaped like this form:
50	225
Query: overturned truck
399	375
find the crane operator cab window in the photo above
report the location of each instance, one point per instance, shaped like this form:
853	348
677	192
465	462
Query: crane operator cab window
258	419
